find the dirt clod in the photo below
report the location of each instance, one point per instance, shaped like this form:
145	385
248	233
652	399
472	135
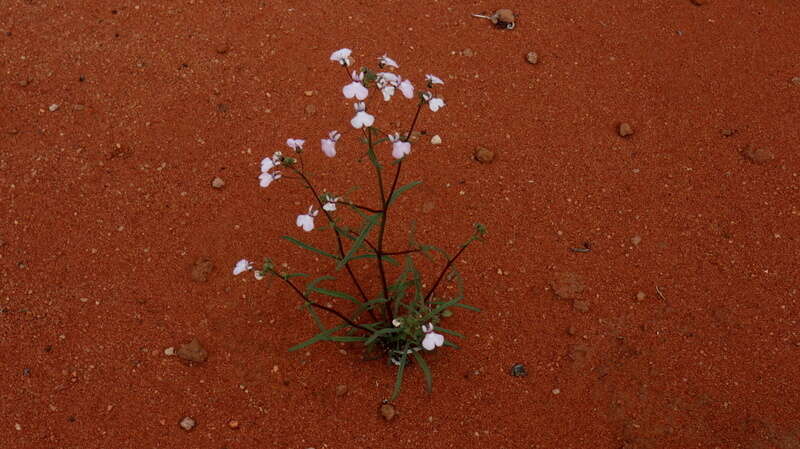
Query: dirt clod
728	132
202	268
388	411
518	370
625	129
484	155
467	52
796	80
758	156
341	390
233	424
218	183
532	57
192	352
567	285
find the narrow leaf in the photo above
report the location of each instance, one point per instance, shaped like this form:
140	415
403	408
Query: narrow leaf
426	370
309	247
402	190
370	222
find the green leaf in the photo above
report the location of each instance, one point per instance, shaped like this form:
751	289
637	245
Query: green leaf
384	331
346	339
369	223
295	275
448	331
402	190
313	284
368	305
334	294
309	247
314	316
426	370
399	381
389	259
322	336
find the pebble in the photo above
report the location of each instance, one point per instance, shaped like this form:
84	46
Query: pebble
641	296
192	352
625	129
504	17
169	351
532	57
796	80
188	423
218	183
308	93
758	156
699	2
483	155
341	390
233	424
635	240
518	370
223	47
388	411
556	391
728	132
436	140
54	107
572	331
467	52
24	83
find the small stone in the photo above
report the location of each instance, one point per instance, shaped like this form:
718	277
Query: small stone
636	240
26	372
581	306
699	2
193	352
223	47
223	107
169	352
484	155
641	296
532	57
188	423
24	83
201	269
84	299
233	424
567	285
728	132
218	183
436	140
53	107
758	156
467	52
556	391
388	411
308	93
572	331
518	370
504	18
625	130
78	107
311	109
341	390
796	80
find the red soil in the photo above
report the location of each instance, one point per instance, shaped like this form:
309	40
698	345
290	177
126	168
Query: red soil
109	199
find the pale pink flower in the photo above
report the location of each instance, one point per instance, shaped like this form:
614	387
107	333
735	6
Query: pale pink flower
406	88
306	221
385	61
242	266
432	79
432	339
266	178
400	148
356	88
330	203
329	144
295	144
362	118
342	56
435	104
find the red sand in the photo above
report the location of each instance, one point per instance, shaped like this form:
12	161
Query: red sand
109	199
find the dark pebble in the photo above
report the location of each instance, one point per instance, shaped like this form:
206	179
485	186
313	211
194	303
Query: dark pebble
518	370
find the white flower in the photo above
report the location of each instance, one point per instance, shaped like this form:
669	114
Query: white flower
266	178
406	88
342	56
306	221
362	118
267	164
295	144
435	104
387	61
397	322
356	88
432	79
432	340
384	78
242	266
329	144
387	92
330	203
399	148
258	274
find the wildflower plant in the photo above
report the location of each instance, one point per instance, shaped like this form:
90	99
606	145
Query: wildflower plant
395	313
